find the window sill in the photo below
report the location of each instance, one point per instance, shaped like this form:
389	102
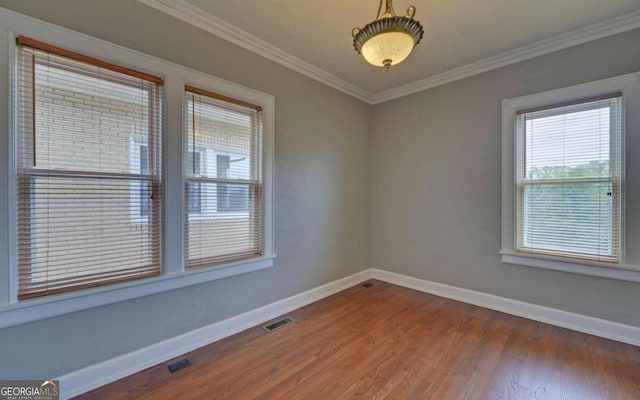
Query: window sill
46	307
603	270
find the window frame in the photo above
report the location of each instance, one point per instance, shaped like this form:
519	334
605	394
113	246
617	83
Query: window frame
629	86
173	273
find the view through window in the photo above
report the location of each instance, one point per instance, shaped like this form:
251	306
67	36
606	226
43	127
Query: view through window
569	179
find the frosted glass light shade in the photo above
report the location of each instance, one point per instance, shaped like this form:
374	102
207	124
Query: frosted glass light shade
389	39
387	48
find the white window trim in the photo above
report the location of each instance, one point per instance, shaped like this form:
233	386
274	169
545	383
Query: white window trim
51	306
629	85
176	77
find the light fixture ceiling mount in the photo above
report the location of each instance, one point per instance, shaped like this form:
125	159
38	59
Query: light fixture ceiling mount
389	39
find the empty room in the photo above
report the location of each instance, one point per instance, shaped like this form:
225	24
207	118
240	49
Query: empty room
371	199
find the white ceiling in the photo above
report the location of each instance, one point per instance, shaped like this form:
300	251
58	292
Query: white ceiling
457	32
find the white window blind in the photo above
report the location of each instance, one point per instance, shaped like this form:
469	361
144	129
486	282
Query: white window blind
569	179
223	179
89	200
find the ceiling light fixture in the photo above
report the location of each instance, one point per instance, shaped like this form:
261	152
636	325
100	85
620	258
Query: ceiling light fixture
389	39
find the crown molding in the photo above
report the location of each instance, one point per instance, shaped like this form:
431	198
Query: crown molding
189	13
589	33
195	16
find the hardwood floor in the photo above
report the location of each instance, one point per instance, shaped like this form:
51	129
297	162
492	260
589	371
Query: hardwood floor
388	342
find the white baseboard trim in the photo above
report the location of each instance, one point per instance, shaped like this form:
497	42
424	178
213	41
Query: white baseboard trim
94	376
577	322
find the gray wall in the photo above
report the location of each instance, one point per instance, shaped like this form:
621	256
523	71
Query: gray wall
435	168
435	190
322	206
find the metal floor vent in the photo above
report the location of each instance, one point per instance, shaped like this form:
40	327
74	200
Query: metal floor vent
179	365
368	284
278	324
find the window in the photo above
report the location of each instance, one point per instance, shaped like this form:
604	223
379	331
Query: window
225	181
77	171
93	175
563	178
569	178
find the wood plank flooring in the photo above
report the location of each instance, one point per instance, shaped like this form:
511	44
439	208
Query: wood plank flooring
388	342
